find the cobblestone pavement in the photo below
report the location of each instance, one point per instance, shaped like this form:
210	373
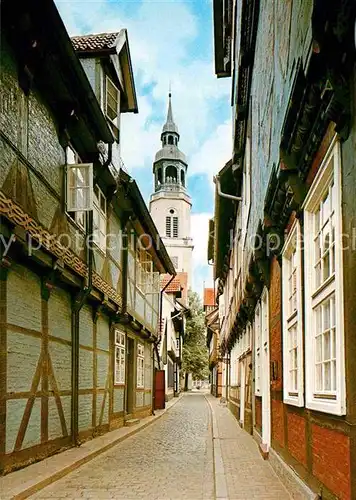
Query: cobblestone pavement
247	475
171	459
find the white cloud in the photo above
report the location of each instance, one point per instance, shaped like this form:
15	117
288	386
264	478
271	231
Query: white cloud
214	152
202	272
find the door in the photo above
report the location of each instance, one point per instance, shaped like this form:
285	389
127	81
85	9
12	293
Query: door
160	393
266	395
130	382
242	391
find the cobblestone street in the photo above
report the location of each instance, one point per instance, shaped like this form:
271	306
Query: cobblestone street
170	459
173	458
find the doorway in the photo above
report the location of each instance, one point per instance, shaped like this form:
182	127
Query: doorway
130	386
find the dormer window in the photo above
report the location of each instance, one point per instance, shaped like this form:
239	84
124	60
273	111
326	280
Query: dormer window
112	106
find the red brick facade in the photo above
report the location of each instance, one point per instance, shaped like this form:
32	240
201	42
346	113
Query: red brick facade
297	437
278	422
331	460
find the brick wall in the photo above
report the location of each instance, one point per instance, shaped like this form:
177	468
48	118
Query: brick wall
297	437
331	460
277	422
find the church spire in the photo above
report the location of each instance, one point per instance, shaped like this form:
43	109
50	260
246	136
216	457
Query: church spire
170	126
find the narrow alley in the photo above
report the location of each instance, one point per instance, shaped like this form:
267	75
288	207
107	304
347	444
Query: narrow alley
174	458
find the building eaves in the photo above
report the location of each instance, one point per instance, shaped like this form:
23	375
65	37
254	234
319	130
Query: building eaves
225	211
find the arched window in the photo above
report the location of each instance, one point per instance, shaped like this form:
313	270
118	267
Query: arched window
176	141
170	139
164	140
182	178
159	175
171	174
172	228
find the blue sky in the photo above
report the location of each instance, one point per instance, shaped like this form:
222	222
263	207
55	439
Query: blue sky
170	42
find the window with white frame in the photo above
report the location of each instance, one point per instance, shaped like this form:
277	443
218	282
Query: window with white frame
258	350
99	218
144	271
324	339
79	195
119	357
112	105
292	318
246	189
140	365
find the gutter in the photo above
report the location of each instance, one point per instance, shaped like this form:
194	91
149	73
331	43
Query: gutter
78	304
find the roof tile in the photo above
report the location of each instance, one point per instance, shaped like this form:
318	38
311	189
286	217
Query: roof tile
100	41
209	297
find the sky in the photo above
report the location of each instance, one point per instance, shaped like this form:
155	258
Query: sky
171	44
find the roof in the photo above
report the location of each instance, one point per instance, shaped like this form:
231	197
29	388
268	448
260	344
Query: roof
170	126
95	42
59	76
209	297
109	45
178	284
174	285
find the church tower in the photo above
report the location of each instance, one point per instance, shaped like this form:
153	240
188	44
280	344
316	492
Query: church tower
170	203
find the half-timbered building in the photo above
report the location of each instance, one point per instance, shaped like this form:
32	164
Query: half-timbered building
80	256
283	229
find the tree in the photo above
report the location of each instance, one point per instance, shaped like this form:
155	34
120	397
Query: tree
195	352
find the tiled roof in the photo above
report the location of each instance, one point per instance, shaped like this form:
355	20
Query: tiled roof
209	297
174	285
94	43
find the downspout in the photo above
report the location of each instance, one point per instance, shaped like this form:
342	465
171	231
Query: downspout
124	286
79	301
216	180
155	345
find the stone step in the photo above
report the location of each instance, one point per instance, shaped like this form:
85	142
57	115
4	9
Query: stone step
131	421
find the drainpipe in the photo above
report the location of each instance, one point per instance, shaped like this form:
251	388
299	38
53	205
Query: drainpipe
216	180
79	302
155	344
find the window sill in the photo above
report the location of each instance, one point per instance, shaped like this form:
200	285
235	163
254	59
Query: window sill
119	385
334	407
293	401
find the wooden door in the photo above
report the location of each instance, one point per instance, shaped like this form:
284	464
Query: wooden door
160	384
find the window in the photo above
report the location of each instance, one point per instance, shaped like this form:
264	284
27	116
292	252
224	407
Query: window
258	351
174	260
292	318
140	365
112	107
175	227
112	101
119	357
144	271
170	139
172	225
79	187
246	187
99	218
324	342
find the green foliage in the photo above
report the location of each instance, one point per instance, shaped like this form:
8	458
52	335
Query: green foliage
195	352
